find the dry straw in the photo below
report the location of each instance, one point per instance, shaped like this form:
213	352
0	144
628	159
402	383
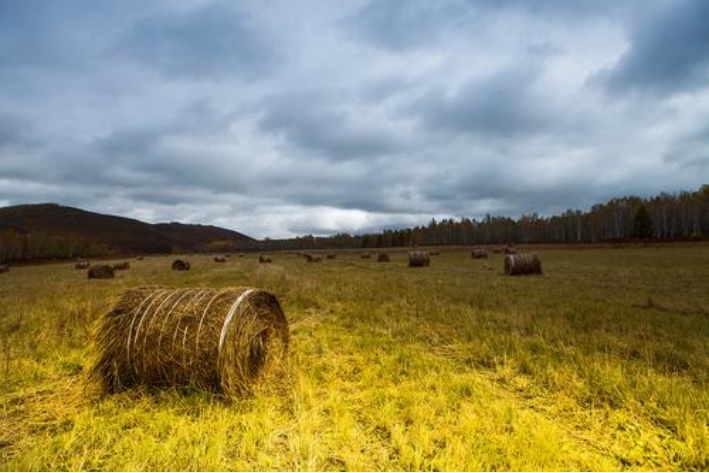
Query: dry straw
435	252
264	259
220	259
479	253
122	266
81	265
4	268
311	258
180	265
100	271
366	255
331	255
525	263
419	259
223	340
383	258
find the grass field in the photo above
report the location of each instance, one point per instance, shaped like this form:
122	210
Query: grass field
602	363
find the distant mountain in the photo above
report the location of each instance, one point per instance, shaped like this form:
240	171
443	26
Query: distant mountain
108	233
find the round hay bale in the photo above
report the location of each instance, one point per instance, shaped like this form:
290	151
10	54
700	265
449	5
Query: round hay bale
219	259
101	271
82	265
180	265
478	253
223	340
331	255
311	258
383	258
122	266
4	268
366	255
139	258
419	259
435	252
264	259
241	255
524	263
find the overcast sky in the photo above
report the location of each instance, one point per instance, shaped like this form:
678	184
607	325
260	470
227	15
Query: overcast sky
278	118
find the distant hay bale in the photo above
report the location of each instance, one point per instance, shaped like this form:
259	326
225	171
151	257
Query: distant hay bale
219	259
241	255
100	271
223	340
82	265
139	258
264	259
331	255
419	259
121	266
312	258
510	251
524	263
479	253
435	252
366	255
383	258
4	268
497	251
180	265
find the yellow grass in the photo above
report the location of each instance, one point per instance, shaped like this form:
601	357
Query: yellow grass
600	364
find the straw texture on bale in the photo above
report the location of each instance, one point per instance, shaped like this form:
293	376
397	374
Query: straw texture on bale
180	265
222	340
122	266
219	259
264	259
4	268
100	271
383	258
81	265
310	258
479	253
524	263
419	259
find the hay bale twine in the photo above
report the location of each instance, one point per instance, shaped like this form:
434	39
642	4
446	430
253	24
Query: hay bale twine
264	259
419	259
311	258
223	340
524	263
121	266
180	265
383	258
479	253
219	259
4	268
82	265
366	255
101	271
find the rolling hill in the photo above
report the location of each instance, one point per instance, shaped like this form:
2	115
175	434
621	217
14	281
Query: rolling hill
109	234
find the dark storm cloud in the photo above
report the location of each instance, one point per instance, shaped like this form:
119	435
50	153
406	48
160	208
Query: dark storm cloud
210	41
276	118
669	51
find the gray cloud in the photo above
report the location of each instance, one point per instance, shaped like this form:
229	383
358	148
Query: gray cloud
669	51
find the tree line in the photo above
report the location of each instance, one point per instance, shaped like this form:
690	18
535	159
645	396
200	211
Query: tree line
664	217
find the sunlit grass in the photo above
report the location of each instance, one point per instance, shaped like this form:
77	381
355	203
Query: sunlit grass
599	364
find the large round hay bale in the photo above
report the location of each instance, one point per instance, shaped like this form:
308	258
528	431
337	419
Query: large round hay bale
383	258
214	339
180	265
4	268
523	263
82	265
101	271
312	258
219	259
121	266
264	259
419	259
479	253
